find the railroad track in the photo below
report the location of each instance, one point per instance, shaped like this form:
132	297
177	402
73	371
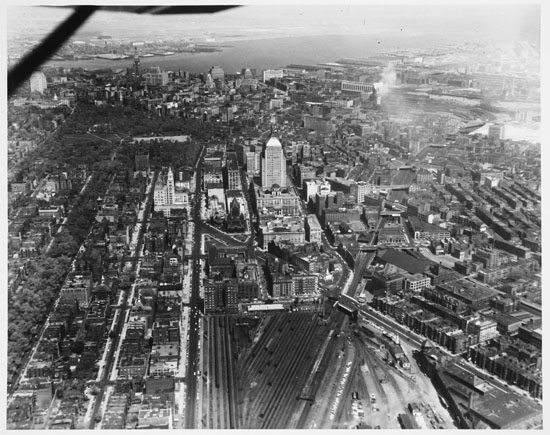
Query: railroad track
260	388
230	373
327	361
261	362
320	413
381	371
345	397
276	369
284	402
222	394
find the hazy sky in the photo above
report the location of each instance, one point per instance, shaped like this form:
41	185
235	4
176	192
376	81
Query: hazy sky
469	21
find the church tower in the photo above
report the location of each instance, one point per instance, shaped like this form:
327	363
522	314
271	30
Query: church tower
170	187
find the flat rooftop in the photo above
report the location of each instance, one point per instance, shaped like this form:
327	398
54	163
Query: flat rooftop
493	401
468	290
404	261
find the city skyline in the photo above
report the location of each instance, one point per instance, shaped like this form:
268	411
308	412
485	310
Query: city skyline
277	217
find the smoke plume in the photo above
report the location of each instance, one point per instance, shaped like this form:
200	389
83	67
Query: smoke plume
388	79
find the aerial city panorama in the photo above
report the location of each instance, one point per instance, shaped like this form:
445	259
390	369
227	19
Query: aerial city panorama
274	217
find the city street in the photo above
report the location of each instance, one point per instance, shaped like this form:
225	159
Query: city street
194	335
243	227
118	327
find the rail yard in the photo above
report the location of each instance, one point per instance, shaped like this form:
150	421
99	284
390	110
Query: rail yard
305	370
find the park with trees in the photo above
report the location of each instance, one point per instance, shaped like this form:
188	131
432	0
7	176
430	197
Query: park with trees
70	148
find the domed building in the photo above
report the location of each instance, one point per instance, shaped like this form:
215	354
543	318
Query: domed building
102	291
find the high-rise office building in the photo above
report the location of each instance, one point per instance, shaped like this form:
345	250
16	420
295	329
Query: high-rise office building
273	74
38	82
273	164
156	76
496	131
136	62
217	73
253	162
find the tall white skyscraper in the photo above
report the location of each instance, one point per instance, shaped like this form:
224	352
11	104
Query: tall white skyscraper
38	82
273	164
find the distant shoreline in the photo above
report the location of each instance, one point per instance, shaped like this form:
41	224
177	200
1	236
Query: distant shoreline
147	55
262	52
